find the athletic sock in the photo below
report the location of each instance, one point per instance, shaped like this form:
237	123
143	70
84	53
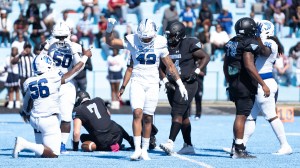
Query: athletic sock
37	148
175	128
249	130
137	142
238	141
64	137
145	143
279	131
186	133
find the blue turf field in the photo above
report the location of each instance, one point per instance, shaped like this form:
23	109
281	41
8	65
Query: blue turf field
209	136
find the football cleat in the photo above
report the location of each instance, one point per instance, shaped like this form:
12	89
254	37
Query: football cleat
19	146
186	150
63	149
145	155
136	155
152	143
241	153
167	147
284	150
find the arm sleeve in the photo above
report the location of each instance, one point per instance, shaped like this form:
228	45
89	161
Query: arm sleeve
26	100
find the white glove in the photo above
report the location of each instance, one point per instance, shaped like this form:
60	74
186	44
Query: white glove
111	22
183	91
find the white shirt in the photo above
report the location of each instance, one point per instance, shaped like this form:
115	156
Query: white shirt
265	64
115	63
146	58
44	90
10	67
19	45
219	37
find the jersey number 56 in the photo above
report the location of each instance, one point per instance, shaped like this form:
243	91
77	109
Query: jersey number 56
39	89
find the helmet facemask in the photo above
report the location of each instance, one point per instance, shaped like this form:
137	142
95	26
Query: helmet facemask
61	41
147	32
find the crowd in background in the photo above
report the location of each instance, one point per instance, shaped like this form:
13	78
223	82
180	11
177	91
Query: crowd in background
208	20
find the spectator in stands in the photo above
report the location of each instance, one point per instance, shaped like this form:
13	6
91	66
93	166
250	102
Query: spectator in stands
6	5
80	80
159	4
101	30
32	13
282	71
115	8
252	16
115	67
279	18
5	27
85	29
69	22
205	17
188	16
204	38
24	61
295	23
282	5
19	42
91	7
22	5
214	5
225	20
294	59
134	7
48	18
12	82
20	25
170	14
218	39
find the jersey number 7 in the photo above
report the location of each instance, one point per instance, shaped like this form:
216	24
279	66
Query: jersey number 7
93	109
39	89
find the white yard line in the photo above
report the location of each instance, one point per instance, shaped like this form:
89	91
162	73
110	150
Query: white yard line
192	161
292	133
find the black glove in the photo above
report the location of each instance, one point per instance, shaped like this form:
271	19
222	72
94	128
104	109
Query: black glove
169	87
75	145
192	78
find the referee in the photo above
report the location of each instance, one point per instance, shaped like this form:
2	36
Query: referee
24	61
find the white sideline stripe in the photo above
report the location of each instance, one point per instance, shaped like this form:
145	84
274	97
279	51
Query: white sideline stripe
191	160
293	133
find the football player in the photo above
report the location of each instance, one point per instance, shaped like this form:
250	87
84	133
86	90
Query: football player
43	90
267	106
243	78
147	49
185	52
93	115
65	55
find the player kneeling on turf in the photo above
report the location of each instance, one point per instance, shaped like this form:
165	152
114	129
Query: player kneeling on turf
43	90
93	115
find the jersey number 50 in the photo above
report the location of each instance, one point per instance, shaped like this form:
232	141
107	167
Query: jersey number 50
38	89
62	59
146	58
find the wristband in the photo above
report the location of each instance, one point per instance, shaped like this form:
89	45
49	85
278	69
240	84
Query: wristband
197	71
165	80
122	87
179	83
84	58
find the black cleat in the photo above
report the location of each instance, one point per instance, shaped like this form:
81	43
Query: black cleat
152	144
241	153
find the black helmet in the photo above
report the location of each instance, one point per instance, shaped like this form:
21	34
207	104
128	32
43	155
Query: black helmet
245	26
80	96
175	32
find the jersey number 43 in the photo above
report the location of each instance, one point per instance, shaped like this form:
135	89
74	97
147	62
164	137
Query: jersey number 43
39	88
145	58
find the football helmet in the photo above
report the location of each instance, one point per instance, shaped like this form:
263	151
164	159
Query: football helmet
81	96
245	27
266	29
42	63
61	31
147	31
175	32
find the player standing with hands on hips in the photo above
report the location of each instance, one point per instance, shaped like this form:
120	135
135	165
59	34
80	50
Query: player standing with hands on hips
184	52
147	49
241	74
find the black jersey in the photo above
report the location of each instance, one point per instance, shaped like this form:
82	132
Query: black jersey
182	56
93	115
239	79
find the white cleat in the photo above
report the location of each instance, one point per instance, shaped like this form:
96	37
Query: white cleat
145	155
136	155
167	147
186	150
19	146
284	150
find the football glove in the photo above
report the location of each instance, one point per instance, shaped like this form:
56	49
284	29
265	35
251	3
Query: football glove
111	22
258	29
182	89
193	77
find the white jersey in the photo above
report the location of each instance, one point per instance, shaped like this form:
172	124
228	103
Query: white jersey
265	64
146	59
44	91
64	57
